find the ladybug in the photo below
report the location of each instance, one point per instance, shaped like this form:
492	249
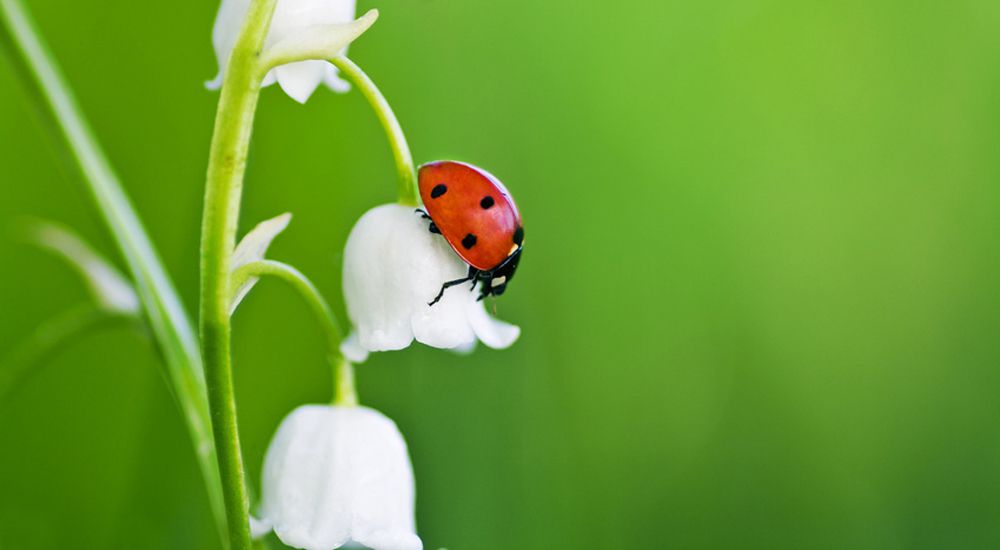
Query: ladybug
473	211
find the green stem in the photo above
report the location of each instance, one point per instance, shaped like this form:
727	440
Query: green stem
408	194
50	336
324	315
161	304
223	188
344	392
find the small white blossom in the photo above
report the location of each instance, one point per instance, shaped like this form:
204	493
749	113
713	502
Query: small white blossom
393	267
337	475
291	17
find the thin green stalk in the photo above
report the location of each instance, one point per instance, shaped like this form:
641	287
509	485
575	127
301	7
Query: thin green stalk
223	188
50	336
344	392
302	285
161	304
408	194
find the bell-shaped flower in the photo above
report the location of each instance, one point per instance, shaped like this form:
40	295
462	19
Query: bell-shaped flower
337	475
393	268
291	17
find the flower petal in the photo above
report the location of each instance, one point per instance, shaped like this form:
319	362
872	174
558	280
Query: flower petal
444	325
334	82
376	294
299	462
352	349
270	78
259	527
299	80
252	248
491	331
226	29
216	82
465	349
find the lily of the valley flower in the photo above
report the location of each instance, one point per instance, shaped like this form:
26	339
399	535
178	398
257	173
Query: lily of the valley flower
393	267
335	475
291	17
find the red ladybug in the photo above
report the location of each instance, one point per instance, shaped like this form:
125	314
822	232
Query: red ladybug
474	212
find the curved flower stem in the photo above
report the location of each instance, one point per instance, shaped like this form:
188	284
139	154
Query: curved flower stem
162	307
49	337
302	284
408	194
344	392
223	188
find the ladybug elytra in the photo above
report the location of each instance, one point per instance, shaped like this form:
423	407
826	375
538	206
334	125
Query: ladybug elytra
473	211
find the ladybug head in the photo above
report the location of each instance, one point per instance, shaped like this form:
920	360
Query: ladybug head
497	280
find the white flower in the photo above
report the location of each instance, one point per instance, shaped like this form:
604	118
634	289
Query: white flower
335	475
393	267
300	79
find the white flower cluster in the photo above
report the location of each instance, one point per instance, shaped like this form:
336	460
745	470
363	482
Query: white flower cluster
337	475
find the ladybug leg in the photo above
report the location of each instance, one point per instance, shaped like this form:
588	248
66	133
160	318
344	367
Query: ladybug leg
445	287
433	227
480	277
473	272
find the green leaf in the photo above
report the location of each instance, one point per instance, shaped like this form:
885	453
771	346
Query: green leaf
110	289
162	306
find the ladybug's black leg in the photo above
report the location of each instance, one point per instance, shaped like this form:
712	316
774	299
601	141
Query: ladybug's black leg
433	227
473	272
483	277
446	286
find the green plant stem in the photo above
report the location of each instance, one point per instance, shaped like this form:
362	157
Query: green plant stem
50	336
408	194
344	391
302	285
161	304
223	188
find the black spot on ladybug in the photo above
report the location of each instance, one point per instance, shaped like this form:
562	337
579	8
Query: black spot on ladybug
439	189
519	236
469	241
487	202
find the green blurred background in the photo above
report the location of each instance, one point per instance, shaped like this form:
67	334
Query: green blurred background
760	301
